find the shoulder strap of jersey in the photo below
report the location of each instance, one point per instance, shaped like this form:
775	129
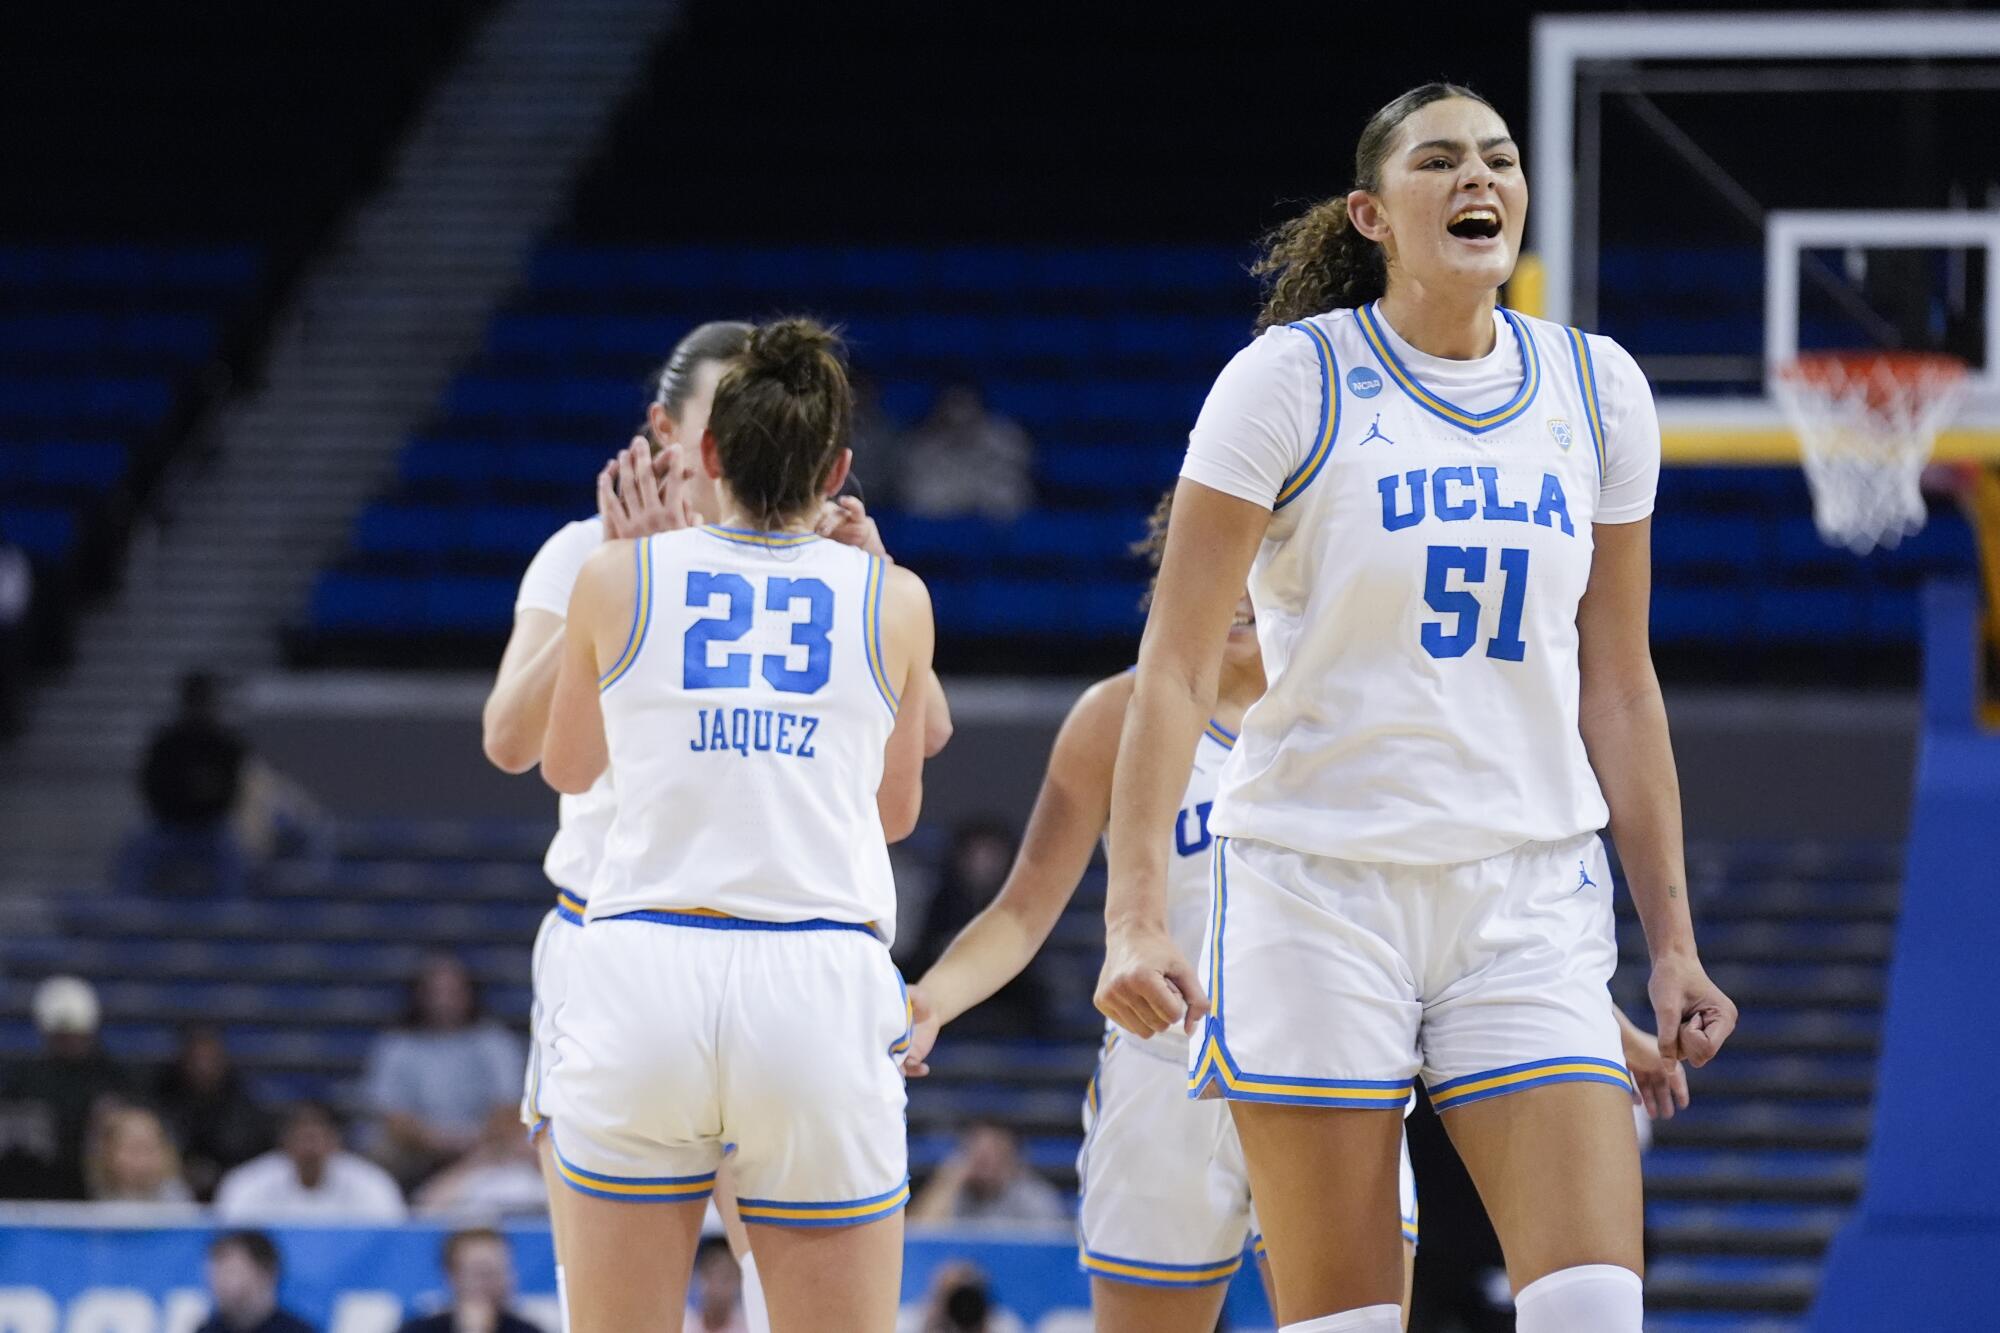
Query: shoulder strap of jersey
642	614
1586	384
1329	415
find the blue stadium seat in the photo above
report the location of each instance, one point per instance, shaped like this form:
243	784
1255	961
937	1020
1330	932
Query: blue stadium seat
46	534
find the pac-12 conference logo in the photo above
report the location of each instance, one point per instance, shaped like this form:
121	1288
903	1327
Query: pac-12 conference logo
1364	382
1560	432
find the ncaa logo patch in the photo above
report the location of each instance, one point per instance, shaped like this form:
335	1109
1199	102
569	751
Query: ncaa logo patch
1560	432
1364	382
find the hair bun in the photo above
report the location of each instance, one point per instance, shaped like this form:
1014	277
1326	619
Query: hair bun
796	352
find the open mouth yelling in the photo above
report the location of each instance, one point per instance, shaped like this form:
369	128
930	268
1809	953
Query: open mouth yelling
1477	223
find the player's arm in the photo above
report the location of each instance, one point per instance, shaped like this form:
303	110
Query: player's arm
517	710
909	636
1146	985
1623	719
937	716
574	753
1069	815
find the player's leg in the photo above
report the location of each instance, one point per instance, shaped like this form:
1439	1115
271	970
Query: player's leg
813	1099
1325	1181
838	1279
1558	1170
1524	1064
1317	1104
1409	1276
627	1267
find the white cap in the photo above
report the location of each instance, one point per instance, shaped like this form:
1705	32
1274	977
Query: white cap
66	1004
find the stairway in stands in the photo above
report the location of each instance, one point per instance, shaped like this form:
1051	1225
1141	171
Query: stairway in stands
369	340
1744	1189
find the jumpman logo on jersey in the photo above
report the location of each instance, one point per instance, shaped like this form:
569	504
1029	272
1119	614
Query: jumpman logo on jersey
1583	879
1375	432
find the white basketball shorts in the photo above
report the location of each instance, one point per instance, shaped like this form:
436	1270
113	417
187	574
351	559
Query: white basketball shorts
547	972
1166	1196
681	1033
1335	983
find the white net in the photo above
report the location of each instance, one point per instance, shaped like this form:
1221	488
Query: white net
1866	425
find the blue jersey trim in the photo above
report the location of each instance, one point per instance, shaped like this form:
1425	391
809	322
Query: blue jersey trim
1329	416
1476	422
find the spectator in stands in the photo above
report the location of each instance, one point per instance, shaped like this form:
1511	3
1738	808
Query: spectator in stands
500	1175
243	1269
986	1181
975	866
717	1298
432	1083
192	774
959	1301
130	1158
962	459
480	1269
17	591
309	1177
53	1097
209	1110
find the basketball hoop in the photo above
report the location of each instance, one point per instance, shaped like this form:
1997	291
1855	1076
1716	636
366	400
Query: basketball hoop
1866	423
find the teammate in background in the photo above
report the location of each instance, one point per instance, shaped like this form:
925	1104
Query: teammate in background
756	694
1165	1198
643	490
1408	872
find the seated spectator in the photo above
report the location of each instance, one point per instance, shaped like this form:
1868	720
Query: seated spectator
192	773
986	1181
210	1110
962	459
52	1097
716	1300
480	1269
959	1301
308	1177
976	865
432	1083
500	1175
131	1160
243	1285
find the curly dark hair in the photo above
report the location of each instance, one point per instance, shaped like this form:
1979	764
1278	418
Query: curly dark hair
1317	261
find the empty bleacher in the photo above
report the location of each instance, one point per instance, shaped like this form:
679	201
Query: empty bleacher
1103	354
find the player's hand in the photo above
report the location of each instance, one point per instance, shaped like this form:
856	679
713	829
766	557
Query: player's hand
640	493
1660	1085
1693	1015
846	520
1146	986
924	1026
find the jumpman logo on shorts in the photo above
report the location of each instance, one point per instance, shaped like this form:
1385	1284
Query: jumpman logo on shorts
1583	879
1375	432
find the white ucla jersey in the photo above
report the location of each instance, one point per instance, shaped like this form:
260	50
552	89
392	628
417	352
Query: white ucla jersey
746	719
1417	589
1188	875
583	820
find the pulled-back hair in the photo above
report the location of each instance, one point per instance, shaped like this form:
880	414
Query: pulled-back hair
781	417
718	340
1317	261
1152	548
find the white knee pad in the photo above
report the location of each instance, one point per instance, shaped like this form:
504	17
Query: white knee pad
1590	1298
1367	1319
